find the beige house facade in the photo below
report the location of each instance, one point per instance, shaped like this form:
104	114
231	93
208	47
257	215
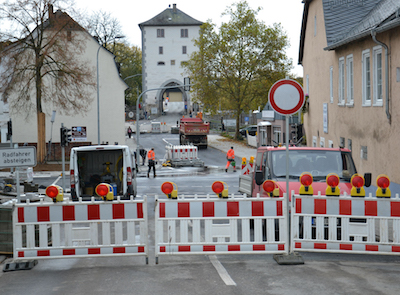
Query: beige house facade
350	52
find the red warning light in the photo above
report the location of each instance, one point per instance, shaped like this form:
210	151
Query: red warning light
102	190
269	186
357	181
383	181
52	191
217	187
332	180
167	187
306	179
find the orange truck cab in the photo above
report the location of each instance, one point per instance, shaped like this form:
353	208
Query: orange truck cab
271	164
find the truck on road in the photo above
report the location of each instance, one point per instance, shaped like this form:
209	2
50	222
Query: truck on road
193	131
91	165
271	164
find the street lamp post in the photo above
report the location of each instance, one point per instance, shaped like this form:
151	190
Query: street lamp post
137	118
137	109
98	89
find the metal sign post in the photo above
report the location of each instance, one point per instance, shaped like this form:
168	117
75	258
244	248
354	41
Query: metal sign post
286	97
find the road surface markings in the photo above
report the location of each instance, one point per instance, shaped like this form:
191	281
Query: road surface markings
221	271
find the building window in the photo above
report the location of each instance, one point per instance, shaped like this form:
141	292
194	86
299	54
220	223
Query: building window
315	25
308	84
160	50
331	83
172	62
378	76
69	36
350	80
184	49
160	33
184	33
341	81
161	63
366	78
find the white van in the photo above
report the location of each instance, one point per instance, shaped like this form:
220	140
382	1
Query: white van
91	165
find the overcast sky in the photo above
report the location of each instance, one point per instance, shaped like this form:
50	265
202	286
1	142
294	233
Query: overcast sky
130	13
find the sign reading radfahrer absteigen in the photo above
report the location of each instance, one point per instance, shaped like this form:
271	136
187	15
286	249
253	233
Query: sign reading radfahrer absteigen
20	157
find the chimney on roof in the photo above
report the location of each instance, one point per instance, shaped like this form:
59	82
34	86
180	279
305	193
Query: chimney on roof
174	8
50	11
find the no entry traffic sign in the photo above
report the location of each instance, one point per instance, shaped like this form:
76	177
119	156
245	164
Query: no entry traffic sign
286	97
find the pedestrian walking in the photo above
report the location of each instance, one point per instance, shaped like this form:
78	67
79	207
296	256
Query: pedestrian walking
151	157
129	132
143	154
230	156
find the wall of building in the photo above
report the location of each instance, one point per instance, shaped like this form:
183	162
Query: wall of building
366	126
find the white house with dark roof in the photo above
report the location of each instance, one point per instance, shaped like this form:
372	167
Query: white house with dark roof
108	104
350	52
167	42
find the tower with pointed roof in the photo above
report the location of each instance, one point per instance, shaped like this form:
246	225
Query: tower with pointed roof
167	42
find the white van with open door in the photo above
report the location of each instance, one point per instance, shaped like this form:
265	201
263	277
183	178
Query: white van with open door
91	165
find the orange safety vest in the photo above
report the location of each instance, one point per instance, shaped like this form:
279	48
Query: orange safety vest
231	154
151	155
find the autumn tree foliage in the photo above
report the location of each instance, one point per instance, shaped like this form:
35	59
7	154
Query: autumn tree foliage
234	67
41	65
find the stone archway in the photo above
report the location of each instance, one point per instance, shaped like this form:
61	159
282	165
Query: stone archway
172	100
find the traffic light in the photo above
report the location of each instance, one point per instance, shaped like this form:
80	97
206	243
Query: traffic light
65	137
299	131
294	132
9	130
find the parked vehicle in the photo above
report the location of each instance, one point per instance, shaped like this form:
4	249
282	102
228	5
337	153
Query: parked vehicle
91	165
193	131
271	164
251	129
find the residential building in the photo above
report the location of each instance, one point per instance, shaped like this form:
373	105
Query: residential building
350	52
167	42
110	96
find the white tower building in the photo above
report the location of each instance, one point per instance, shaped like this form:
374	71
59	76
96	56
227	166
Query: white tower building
167	42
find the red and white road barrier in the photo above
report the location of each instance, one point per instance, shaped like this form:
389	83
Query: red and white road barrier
346	224
182	152
46	230
210	225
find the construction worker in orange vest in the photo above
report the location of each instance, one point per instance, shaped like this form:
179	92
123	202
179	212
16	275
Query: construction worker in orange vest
230	156
151	157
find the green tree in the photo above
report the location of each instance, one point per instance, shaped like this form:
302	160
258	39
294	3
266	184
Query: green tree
40	66
235	66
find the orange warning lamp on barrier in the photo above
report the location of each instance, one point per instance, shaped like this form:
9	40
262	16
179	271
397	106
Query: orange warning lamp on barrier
332	180
170	189
105	191
383	182
244	162
357	181
271	188
55	192
306	181
218	187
